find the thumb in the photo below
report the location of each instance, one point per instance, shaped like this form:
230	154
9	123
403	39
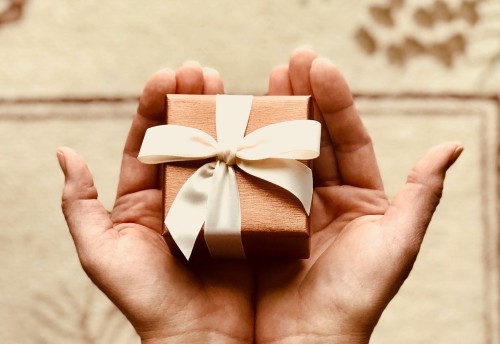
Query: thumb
411	211
86	217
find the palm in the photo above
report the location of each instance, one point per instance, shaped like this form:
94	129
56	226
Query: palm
135	256
348	251
362	249
126	256
164	287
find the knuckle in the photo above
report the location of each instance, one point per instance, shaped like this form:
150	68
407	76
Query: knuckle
83	191
431	185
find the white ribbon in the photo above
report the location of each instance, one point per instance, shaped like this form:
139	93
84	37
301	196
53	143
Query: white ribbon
210	196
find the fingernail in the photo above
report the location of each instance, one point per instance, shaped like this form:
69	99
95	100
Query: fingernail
62	161
458	151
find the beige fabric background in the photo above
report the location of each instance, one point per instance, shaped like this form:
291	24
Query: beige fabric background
422	72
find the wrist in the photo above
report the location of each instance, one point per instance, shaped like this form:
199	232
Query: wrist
318	339
195	337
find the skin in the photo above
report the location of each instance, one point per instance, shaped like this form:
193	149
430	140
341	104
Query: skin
363	246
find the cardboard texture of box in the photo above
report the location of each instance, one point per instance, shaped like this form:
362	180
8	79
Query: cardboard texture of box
273	222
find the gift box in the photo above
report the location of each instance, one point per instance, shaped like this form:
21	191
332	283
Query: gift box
274	223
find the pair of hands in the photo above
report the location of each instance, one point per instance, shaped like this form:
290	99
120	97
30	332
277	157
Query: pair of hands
362	248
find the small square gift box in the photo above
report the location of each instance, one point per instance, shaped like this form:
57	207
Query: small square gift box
237	181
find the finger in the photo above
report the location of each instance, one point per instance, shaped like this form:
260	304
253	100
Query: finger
325	167
86	217
279	82
350	140
212	82
190	78
299	70
411	211
134	175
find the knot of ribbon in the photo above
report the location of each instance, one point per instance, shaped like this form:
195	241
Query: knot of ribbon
210	196
227	155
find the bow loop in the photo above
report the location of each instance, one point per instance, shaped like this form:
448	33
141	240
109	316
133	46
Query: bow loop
285	140
170	143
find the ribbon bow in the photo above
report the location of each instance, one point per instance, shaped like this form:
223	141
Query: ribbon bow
210	196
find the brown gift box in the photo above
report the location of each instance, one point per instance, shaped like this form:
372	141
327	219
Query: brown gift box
273	222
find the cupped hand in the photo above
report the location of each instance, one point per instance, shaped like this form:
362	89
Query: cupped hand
165	299
363	247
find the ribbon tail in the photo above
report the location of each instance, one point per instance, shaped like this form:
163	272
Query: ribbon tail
223	221
291	175
188	210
